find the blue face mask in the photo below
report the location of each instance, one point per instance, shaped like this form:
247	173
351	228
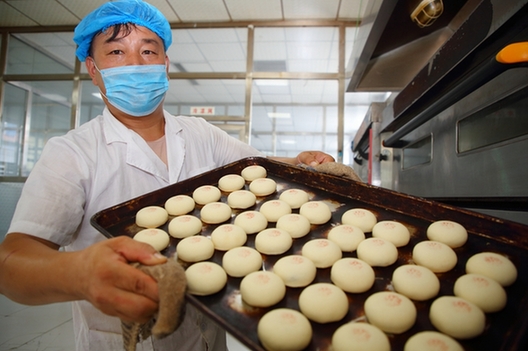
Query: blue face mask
135	90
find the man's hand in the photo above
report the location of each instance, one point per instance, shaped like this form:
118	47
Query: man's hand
115	287
310	158
313	158
34	272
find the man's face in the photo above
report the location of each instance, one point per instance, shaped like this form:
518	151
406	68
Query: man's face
140	47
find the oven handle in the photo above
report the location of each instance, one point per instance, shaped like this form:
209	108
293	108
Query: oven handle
512	56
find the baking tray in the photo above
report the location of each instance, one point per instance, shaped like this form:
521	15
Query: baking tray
505	330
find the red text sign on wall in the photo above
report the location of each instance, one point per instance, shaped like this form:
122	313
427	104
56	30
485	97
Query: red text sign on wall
199	110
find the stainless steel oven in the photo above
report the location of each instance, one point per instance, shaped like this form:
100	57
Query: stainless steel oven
474	154
457	130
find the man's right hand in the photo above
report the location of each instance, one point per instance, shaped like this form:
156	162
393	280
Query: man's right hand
115	287
33	271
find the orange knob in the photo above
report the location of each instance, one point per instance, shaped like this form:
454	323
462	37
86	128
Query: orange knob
513	53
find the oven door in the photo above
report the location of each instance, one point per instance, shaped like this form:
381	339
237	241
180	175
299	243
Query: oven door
474	154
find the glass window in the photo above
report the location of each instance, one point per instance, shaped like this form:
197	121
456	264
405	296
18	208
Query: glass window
206	97
91	104
40	53
50	115
219	101
298	49
289	115
12	127
418	153
503	120
208	50
37	115
351	34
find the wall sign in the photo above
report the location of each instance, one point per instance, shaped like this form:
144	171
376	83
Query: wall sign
199	110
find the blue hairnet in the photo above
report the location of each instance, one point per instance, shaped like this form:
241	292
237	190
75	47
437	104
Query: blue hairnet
120	12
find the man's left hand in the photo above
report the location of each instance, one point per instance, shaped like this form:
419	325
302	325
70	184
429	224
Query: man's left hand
313	158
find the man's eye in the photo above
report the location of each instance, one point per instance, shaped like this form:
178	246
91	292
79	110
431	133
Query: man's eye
148	52
116	52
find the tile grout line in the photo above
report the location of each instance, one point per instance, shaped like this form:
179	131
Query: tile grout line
39	335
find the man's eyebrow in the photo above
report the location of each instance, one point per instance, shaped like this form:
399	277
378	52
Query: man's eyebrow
144	40
151	41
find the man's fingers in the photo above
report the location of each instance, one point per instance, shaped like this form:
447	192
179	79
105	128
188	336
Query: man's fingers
127	293
324	158
138	282
135	251
113	285
314	158
128	306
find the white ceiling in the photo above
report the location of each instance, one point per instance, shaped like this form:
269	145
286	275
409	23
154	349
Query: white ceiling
70	12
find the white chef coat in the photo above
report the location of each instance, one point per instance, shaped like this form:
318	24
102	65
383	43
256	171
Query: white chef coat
103	163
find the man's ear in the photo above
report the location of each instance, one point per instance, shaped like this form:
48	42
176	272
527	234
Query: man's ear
90	67
167	64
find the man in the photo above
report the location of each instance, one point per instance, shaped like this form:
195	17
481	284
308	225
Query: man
133	148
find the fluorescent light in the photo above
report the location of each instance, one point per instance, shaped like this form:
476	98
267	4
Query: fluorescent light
289	141
279	115
271	82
